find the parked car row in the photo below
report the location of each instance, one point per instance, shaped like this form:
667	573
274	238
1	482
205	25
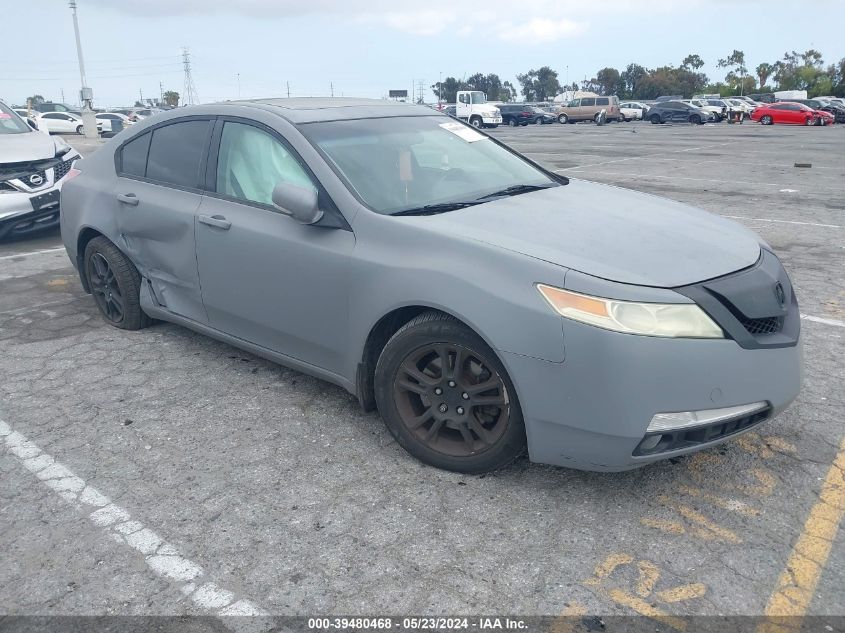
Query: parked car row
65	121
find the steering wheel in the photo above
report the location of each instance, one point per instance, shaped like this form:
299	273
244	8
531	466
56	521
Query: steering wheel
456	173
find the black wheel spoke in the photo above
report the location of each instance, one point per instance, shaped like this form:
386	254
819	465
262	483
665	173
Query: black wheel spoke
421	419
479	430
433	430
483	401
413	387
443	355
469	440
481	387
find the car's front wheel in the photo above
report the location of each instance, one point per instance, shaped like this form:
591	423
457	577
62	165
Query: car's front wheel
115	284
766	120
79	129
446	397
562	118
476	122
512	122
654	118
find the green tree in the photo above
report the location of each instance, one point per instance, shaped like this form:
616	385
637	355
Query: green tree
508	92
631	78
171	98
447	90
607	81
490	85
35	99
539	85
692	62
737	70
764	71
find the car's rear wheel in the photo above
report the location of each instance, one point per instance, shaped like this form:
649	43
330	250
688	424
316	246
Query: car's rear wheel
115	284
766	120
810	121
446	397
654	118
562	118
695	119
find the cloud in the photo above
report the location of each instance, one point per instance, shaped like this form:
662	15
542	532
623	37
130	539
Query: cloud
542	30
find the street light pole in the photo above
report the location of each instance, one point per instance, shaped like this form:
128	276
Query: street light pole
86	95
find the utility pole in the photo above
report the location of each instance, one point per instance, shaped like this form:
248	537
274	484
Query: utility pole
421	86
239	86
440	90
141	93
160	93
190	97
287	83
331	87
86	95
63	95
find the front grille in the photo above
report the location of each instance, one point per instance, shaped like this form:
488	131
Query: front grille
669	441
62	169
767	325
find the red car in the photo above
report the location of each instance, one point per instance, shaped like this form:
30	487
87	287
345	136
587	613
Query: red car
785	112
825	118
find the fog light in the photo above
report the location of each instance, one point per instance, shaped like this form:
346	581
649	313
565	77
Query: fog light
687	419
649	443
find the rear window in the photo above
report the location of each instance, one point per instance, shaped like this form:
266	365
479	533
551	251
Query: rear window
133	160
176	151
603	101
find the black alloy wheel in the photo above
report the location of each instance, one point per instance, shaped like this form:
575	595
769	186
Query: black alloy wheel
446	397
105	288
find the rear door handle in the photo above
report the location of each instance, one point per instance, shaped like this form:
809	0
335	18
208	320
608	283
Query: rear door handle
217	221
128	198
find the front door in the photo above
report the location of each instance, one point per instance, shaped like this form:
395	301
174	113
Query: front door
267	278
156	199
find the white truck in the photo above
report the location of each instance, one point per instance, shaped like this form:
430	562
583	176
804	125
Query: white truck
472	106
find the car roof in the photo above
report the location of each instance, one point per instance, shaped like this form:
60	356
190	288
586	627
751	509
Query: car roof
311	109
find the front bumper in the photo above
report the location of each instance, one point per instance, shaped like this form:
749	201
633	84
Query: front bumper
25	208
592	411
491	120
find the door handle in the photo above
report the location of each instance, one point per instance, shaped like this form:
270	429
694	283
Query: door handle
128	198
217	221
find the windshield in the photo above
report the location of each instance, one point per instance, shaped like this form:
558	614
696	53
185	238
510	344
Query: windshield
10	122
478	97
402	163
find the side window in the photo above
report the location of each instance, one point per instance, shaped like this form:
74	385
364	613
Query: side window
133	158
588	102
51	115
251	163
574	103
603	101
176	151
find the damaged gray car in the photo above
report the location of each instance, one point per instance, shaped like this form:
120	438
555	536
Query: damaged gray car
481	303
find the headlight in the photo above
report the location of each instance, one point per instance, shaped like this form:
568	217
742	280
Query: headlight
676	320
62	147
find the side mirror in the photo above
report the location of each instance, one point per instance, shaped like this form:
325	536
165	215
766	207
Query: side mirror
300	203
31	124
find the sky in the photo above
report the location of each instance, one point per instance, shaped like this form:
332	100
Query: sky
363	48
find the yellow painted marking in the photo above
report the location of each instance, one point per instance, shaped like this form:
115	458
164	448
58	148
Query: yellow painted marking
733	505
684	592
568	619
797	583
607	566
670	527
648	576
708	530
55	283
765	486
644	608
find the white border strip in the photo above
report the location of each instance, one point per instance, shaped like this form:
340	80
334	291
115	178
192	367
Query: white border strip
161	557
815	319
44	252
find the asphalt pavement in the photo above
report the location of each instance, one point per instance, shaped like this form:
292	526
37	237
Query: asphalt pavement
160	472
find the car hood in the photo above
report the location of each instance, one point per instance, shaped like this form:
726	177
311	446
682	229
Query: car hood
608	232
19	148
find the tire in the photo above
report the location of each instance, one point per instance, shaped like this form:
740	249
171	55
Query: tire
810	121
562	118
766	120
512	122
79	129
474	438
476	122
117	295
695	119
655	119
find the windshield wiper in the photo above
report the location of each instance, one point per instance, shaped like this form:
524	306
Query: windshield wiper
514	190
441	207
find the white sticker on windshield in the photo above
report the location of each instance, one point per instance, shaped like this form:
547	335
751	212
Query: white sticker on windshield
459	129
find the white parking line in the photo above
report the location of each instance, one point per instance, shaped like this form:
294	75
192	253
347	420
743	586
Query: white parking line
742	217
815	319
161	557
642	157
720	180
44	252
